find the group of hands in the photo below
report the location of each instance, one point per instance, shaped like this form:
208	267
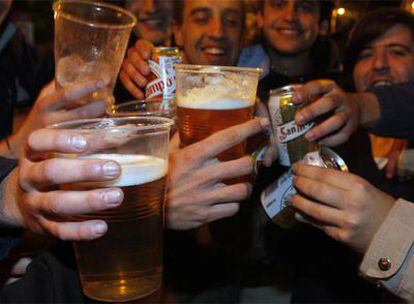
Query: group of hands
343	205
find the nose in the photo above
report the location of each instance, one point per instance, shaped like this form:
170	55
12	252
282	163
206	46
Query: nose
217	28
289	11
380	62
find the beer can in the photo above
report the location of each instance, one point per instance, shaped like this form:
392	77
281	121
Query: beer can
291	142
161	81
274	197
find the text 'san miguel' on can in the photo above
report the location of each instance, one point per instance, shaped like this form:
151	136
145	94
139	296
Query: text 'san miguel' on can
161	80
291	142
274	197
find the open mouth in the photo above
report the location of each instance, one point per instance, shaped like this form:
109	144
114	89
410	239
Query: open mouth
152	22
289	31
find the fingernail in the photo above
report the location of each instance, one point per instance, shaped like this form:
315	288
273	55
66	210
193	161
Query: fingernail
111	169
100	84
113	198
300	119
297	97
264	122
299	217
310	136
78	142
99	228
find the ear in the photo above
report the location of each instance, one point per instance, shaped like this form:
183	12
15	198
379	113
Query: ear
178	35
324	28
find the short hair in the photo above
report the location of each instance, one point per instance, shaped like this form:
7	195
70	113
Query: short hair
178	11
372	26
325	13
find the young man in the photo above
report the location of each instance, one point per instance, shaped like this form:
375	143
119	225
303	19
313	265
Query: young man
381	53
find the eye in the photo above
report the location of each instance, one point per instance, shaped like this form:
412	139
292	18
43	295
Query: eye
307	6
201	18
232	20
399	52
365	54
277	4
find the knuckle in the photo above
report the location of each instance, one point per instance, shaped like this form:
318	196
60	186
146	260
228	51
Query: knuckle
47	170
234	136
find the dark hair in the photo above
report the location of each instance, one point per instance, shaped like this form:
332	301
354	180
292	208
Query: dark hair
178	11
326	7
372	26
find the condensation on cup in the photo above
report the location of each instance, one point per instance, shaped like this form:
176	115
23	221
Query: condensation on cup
289	137
274	197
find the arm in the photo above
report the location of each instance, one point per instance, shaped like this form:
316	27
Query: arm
394	241
396	105
352	211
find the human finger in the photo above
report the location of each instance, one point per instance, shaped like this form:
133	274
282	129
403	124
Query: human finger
317	108
138	62
75	231
320	191
225	139
89	110
66	96
66	203
220	211
130	86
312	88
339	137
145	48
336	178
57	171
332	124
317	212
54	140
134	74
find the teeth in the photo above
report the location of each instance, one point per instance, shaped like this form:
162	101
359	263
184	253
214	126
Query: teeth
382	83
153	21
214	51
289	31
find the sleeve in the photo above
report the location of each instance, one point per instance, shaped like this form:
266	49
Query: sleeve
397	109
9	238
389	260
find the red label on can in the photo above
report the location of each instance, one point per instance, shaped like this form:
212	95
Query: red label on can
161	81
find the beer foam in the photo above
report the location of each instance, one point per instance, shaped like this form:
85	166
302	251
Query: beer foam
136	169
214	103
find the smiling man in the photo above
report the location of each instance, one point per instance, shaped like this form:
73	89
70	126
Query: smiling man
381	53
209	32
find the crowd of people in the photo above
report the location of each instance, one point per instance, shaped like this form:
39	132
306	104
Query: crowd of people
354	240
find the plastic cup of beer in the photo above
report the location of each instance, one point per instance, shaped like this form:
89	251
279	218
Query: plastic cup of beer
126	262
90	43
213	98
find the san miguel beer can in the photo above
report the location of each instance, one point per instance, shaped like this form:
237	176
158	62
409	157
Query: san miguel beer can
274	197
291	143
161	80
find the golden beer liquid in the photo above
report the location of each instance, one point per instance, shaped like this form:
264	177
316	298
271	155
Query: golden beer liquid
197	124
125	263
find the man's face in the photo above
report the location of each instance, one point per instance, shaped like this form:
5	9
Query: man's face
290	27
387	60
154	19
211	31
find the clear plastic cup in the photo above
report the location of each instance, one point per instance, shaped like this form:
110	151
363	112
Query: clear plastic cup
90	43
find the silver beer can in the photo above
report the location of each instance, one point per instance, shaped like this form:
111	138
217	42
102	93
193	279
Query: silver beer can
274	197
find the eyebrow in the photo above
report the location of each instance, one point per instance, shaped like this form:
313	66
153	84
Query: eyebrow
207	10
390	45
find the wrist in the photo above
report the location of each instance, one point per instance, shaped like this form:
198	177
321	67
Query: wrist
368	108
10	215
